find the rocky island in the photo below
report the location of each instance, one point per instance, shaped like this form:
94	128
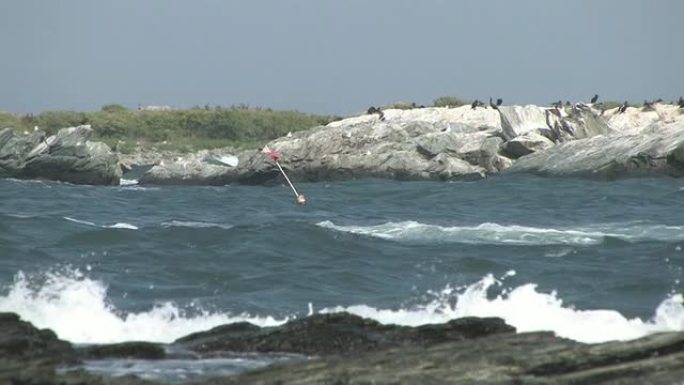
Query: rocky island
433	143
441	143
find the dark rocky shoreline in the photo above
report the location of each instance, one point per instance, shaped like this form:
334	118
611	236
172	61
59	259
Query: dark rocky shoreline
582	140
347	349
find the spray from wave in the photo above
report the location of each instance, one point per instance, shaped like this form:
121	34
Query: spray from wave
529	310
76	308
493	233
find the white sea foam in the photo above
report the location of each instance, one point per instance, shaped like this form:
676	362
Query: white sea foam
77	309
20	216
88	223
199	225
123	225
128	182
118	225
529	310
136	187
493	233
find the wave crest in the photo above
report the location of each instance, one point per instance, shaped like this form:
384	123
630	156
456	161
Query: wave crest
76	308
496	234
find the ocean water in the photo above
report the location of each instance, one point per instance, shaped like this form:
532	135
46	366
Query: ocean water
589	260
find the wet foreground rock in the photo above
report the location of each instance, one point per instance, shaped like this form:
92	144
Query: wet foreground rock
29	356
529	358
336	334
346	349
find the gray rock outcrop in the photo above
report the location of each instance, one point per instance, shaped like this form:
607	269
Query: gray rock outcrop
336	334
655	149
454	143
207	167
501	359
68	156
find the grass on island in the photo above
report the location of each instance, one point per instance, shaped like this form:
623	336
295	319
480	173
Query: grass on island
240	127
186	130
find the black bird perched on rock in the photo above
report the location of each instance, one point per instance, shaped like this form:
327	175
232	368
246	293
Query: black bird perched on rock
491	104
555	111
680	102
648	106
476	103
582	106
557	104
374	110
623	107
499	102
594	99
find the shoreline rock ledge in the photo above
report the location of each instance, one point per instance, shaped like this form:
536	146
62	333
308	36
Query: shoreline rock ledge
439	143
434	143
341	348
68	156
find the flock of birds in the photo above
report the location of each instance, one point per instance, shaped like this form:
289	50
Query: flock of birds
646	106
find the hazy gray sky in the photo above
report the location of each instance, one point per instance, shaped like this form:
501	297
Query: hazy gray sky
334	56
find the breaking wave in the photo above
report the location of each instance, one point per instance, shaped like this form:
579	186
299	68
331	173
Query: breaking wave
77	309
197	225
118	225
492	233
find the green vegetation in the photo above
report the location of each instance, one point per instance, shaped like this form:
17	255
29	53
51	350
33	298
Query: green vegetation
611	104
179	130
449	101
400	106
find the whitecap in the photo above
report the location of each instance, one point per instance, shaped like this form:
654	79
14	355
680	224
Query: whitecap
76	308
198	225
528	310
118	225
128	182
493	233
80	221
20	216
123	225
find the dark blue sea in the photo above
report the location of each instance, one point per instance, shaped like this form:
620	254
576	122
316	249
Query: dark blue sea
589	260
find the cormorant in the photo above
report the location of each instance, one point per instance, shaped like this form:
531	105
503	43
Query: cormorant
594	99
476	103
648	106
499	102
582	106
680	102
491	104
381	114
623	107
375	110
